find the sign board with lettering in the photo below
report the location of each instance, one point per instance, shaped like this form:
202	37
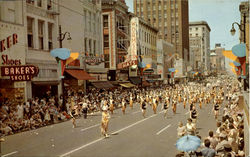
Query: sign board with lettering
134	24
94	60
126	64
20	73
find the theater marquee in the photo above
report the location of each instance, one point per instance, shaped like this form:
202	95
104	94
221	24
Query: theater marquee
20	73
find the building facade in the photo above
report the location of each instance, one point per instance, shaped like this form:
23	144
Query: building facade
13	50
84	24
165	58
171	18
199	37
34	24
217	59
115	37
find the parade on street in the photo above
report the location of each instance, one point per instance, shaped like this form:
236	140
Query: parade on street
124	78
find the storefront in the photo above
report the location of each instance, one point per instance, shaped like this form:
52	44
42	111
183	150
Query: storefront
12	53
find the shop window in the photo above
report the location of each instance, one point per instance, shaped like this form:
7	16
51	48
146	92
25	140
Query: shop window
50	30
40	34
30	32
49	4
39	3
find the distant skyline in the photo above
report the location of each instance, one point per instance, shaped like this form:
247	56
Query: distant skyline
219	14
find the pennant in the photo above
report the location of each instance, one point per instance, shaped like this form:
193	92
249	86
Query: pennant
73	56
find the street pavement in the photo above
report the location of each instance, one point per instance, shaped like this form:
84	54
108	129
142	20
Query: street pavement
131	135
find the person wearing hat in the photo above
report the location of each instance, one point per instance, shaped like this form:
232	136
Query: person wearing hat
207	151
143	107
123	105
111	105
105	121
165	106
223	140
154	104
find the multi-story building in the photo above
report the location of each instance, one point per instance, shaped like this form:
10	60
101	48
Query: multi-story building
33	28
84	25
165	58
199	37
41	25
115	37
144	36
217	58
171	18
13	49
244	37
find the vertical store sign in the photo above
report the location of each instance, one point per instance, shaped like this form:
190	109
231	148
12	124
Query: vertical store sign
134	29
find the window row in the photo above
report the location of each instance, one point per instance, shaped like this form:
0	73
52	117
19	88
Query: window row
39	3
31	38
90	46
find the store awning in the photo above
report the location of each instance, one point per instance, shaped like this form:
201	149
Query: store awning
79	74
102	85
127	85
135	80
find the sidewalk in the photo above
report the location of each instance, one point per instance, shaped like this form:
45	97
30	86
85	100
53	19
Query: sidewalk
245	105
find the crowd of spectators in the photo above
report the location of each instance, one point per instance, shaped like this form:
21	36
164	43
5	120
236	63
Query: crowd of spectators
228	138
37	112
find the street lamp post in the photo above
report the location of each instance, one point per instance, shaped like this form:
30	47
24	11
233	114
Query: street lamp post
60	39
244	39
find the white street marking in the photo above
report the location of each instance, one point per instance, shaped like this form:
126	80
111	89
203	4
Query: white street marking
187	112
10	154
163	129
90	127
136	112
133	124
74	150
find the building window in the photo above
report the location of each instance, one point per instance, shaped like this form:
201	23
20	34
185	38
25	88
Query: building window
94	48
105	21
50	32
30	32
190	29
196	34
90	46
106	41
49	4
40	34
106	58
196	28
39	3
89	21
11	15
30	1
85	44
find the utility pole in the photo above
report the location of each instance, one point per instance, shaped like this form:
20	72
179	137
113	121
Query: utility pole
61	38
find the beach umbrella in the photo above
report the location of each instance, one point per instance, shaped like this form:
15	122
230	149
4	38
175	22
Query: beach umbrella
61	53
188	143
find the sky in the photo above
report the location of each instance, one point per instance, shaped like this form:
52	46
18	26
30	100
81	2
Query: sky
219	14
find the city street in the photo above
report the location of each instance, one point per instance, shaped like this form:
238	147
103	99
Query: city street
130	135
